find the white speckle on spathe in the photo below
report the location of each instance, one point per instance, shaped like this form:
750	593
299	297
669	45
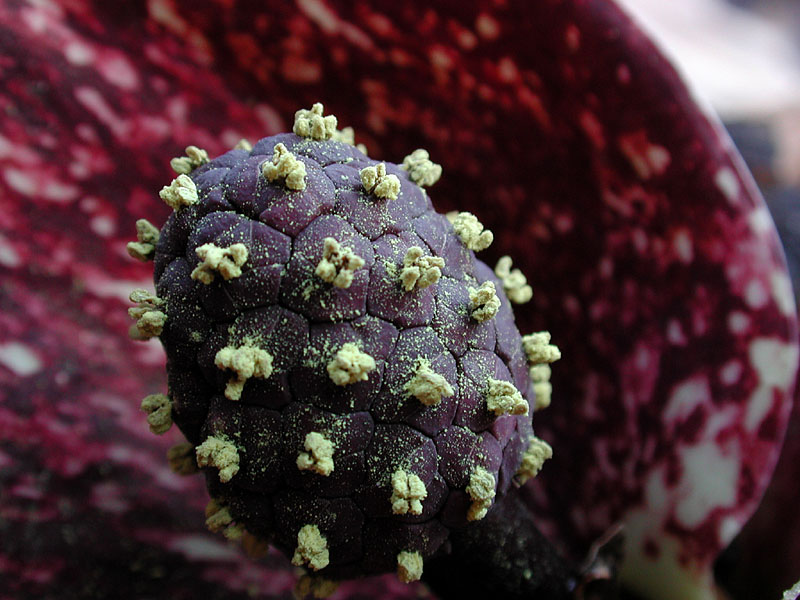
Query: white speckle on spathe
775	362
20	181
755	294
78	53
730	372
20	359
760	221
683	246
685	397
697	493
675	333
203	548
8	254
782	293
738	322
487	27
729	527
103	226
728	184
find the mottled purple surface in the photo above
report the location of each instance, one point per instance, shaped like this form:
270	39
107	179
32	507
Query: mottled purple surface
649	251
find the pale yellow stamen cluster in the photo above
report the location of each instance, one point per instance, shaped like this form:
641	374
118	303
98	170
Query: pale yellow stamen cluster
542	388
484	301
243	144
284	165
195	157
428	386
532	460
538	348
245	361
144	248
150	319
214	259
182	459
420	271
181	192
421	169
338	264
481	489
312	124
515	284
471	232
350	365
312	548
378	183
159	412
408	492
221	453
318	456
502	398
409	566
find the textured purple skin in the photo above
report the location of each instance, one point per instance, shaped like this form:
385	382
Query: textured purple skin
375	425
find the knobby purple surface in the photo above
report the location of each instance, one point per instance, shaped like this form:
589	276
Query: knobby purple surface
653	260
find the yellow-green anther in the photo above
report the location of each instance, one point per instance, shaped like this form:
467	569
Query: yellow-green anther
312	549
532	460
471	231
194	158
159	412
338	264
350	365
221	453
318	456
502	398
421	170
428	386
538	348
312	124
481	490
179	193
419	270
245	361
150	319
515	284
378	183
285	166
182	459
144	248
484	301
214	259
408	492
409	566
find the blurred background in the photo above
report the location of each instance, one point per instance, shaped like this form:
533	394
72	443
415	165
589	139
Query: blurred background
743	59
